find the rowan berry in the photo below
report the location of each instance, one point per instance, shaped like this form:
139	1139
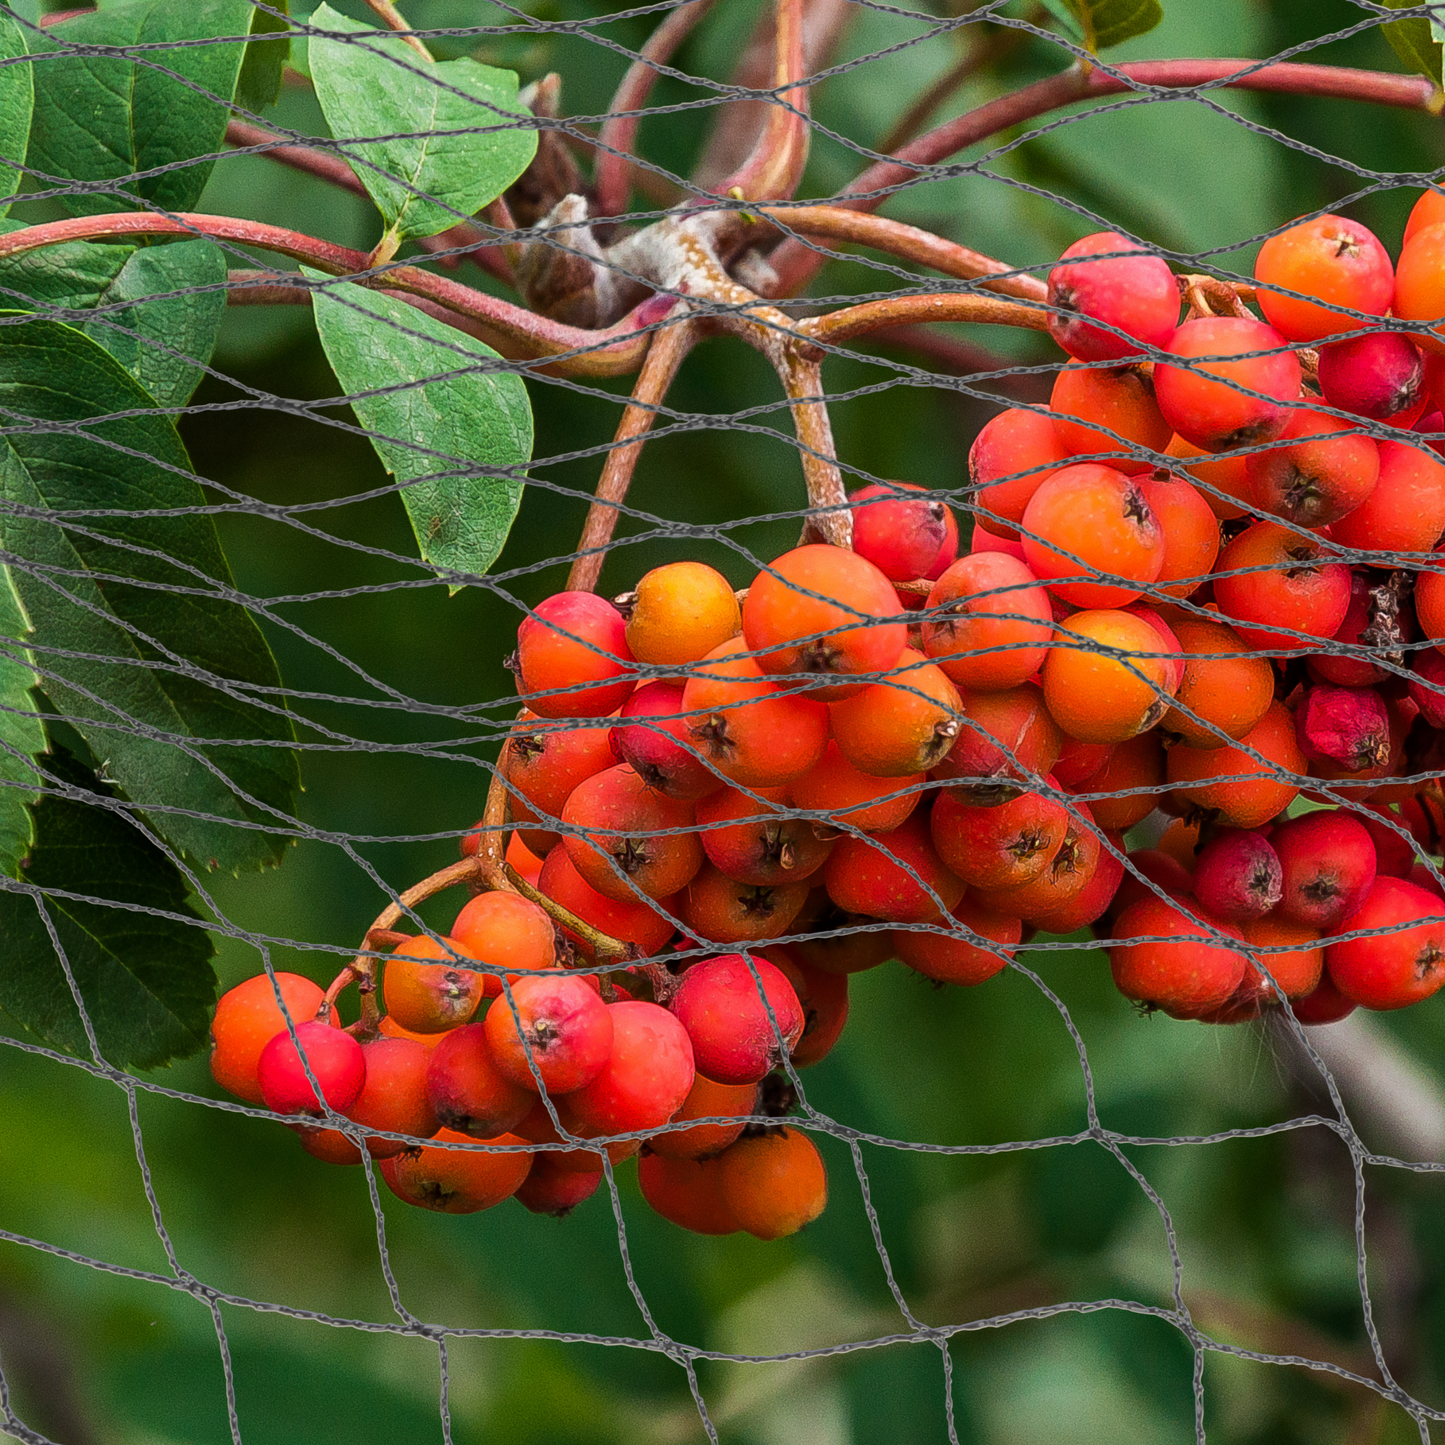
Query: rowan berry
1328	867
1324	1004
754	840
1406	510
823	997
1009	459
1245	784
719	909
550	1189
335	1061
1394	968
646	1079
1092	521
999	847
1108	676
1006	739
1109	416
558	1024
824	612
1296	970
544	760
1232	386
1128	289
508	931
1191	533
427	986
1318	471
774	1183
827	938
1344	728
679	613
1130	784
987	622
900	725
629	919
904	532
1420	283
707	1099
1083	907
754	733
573	638
1221	480
459	1180
1271	575
628	840
393	1099
1225	689
1380	376
687	1192
1169	958
652	738
1355	668
895	876
851	798
1066	875
943	951
467	1091
1238	876
737	1037
247	1018
1338	262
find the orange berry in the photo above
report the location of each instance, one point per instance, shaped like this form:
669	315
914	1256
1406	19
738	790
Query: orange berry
1134	779
1101	698
509	931
1244	791
706	1100
987	622
774	1184
823	611
902	725
1225	688
426	987
457	1181
1339	262
1191	533
952	957
1090	403
1088	520
1223	481
833	786
687	1192
679	613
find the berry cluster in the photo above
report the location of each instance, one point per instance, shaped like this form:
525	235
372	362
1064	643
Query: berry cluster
1188	596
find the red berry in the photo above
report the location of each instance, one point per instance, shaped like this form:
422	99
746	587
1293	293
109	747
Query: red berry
903	532
1328	867
1176	964
573	638
1238	876
564	1027
651	737
1337	261
1386	970
1134	293
721	1005
336	1061
247	1019
457	1180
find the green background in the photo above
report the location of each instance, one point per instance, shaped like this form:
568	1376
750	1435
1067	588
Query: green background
1265	1226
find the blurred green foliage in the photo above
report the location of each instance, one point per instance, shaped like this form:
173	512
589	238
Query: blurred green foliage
1265	1226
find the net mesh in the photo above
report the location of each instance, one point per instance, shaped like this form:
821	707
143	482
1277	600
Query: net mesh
467	736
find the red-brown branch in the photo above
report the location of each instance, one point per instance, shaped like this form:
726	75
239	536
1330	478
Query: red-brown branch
669	346
796	264
616	141
514	331
775	167
907	242
836	327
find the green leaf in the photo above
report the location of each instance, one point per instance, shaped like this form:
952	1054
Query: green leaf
22	736
477	421
84	276
1098	24
17	101
107	117
259	84
1415	41
145	672
461	144
146	981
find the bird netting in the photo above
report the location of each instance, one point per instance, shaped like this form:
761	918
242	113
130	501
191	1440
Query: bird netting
958	510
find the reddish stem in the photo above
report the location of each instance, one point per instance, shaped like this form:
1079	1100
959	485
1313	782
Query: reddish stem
669	346
796	264
514	331
909	309
909	242
775	167
617	138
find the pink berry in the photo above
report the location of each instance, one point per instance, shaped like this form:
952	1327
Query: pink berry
1345	726
903	535
1380	376
1328	862
565	1027
651	736
572	638
720	1006
336	1061
1134	293
1238	876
